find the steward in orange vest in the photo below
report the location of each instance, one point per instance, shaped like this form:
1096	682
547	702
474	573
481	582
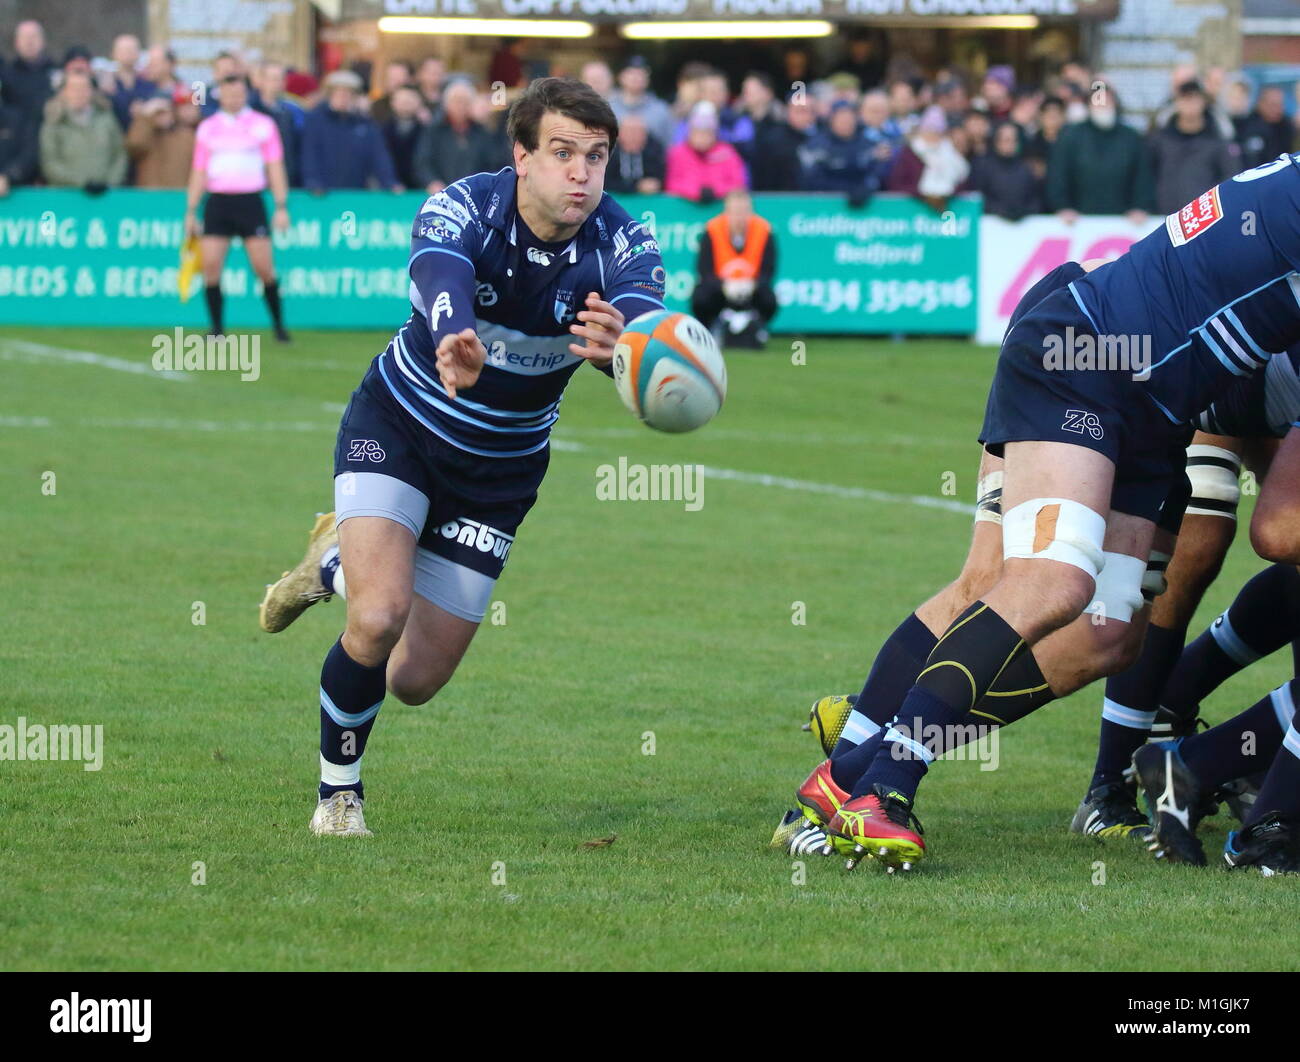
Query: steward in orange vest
737	260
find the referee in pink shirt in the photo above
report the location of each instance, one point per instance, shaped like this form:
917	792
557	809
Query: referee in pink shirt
237	154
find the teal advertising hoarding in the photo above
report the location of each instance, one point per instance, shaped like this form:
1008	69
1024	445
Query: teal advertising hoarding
894	266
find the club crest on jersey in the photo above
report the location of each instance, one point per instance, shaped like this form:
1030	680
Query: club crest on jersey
563	307
1194	218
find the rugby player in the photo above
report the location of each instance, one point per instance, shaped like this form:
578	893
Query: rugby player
517	278
1093	462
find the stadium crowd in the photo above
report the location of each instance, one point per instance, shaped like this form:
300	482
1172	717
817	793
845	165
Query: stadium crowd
863	126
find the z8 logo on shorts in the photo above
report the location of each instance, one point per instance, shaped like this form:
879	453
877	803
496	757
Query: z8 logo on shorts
366	450
1080	421
485	539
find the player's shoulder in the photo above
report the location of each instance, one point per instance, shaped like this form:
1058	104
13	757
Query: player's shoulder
477	200
630	237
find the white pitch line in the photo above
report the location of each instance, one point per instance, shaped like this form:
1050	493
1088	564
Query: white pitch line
22	349
760	479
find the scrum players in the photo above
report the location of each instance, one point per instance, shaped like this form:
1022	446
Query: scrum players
517	278
1093	463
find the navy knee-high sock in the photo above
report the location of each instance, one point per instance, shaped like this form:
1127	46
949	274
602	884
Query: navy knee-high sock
1262	619
970	656
350	696
1130	704
892	673
1281	789
1244	744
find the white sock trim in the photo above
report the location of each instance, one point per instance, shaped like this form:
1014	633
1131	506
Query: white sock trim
1116	713
858	728
1283	705
348	774
1230	641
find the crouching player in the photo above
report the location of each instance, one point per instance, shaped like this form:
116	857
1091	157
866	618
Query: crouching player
1176	776
517	278
1093	459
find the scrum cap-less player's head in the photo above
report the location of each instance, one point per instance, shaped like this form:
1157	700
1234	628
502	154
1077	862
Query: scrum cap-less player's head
563	132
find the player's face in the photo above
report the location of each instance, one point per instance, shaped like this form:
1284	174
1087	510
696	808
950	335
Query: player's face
564	178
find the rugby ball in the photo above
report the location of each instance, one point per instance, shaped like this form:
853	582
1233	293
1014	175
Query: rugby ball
669	371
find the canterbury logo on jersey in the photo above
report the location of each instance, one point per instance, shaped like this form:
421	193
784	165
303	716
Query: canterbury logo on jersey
441	305
540	257
483	538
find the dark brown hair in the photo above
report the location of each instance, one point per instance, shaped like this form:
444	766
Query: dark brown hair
561	95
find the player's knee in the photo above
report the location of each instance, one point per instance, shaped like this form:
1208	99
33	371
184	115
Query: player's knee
379	625
1275	533
1061	530
414	690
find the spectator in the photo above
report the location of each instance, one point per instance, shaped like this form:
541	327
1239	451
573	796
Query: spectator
342	148
998	91
929	166
486	114
126	90
1025	105
27	80
81	142
1100	166
398	73
796	70
975	125
903	105
289	118
1038	146
402	132
737	261
456	146
840	160
507	65
225	66
1188	155
951	96
702	167
734	127
773	153
1184	73
1237	102
160	69
1265	133
638	163
598	75
429	80
635	98
867	58
160	144
1005	180
77	60
17	149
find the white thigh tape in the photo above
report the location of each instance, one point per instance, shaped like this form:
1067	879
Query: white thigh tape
1055	529
1119	588
988	498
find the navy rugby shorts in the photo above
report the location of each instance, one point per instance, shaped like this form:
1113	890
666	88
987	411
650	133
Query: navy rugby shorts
463	509
1105	411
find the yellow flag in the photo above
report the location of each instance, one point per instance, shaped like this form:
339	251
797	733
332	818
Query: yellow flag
189	266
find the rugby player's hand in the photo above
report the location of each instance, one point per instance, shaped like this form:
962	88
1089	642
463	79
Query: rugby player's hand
600	324
460	359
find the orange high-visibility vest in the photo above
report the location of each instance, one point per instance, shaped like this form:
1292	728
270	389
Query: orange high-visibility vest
730	263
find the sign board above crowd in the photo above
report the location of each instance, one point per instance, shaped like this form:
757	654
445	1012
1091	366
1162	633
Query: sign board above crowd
918	11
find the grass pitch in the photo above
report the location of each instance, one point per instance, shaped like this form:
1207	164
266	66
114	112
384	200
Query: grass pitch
629	627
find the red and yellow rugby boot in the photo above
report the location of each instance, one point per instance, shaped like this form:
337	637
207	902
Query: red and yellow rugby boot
819	796
879	826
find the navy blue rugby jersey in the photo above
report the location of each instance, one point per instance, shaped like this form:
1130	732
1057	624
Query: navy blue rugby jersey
475	264
1215	288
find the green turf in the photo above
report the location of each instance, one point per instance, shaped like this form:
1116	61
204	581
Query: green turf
622	618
